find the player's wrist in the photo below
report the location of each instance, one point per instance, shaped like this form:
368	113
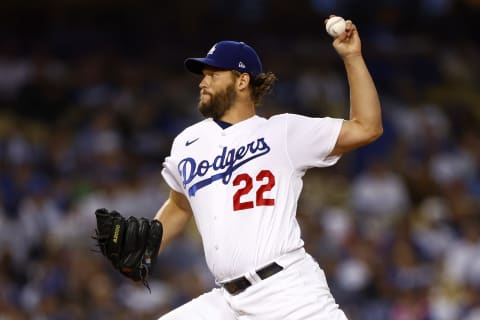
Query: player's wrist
353	58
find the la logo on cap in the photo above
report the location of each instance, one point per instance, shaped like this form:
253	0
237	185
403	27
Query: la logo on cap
241	65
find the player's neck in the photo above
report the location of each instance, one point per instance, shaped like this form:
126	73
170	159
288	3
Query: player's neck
238	112
241	109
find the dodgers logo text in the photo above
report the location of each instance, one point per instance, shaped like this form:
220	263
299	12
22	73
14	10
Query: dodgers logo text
220	167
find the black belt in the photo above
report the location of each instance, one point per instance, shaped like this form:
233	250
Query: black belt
240	284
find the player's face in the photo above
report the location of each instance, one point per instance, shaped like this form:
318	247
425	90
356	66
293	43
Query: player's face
217	92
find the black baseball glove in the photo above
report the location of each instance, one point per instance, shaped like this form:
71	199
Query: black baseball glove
130	244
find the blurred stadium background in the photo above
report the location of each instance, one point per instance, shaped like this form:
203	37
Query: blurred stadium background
93	92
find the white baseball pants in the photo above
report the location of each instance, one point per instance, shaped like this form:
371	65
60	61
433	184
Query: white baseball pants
299	292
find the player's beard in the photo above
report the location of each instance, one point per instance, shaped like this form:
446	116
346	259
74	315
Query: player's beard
219	103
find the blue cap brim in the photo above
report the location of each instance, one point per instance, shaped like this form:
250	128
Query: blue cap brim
196	65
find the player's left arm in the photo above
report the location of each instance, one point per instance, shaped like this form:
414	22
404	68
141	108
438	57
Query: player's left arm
365	122
174	216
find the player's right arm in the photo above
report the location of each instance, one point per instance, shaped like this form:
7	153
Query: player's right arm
174	216
365	123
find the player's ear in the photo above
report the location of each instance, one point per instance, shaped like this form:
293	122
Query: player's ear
243	81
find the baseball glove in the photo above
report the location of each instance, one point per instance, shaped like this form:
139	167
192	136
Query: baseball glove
130	244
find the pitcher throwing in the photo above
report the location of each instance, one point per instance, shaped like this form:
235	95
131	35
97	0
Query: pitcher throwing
239	176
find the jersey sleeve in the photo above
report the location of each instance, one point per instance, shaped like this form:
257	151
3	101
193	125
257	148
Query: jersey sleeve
309	141
170	170
168	174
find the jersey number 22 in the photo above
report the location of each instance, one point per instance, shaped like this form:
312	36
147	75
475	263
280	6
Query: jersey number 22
265	176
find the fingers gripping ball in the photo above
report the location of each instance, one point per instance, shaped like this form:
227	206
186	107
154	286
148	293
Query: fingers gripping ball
131	245
335	26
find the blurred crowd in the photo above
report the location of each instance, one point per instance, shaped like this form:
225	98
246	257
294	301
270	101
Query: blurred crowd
88	113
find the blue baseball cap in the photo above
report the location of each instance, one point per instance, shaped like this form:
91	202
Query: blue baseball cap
229	55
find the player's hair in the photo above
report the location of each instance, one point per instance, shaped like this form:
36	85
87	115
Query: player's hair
260	85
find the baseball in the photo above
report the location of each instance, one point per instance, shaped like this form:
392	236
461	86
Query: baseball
335	26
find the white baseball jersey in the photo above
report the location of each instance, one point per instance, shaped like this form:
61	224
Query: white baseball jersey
243	183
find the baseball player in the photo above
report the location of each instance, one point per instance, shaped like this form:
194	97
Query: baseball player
239	176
